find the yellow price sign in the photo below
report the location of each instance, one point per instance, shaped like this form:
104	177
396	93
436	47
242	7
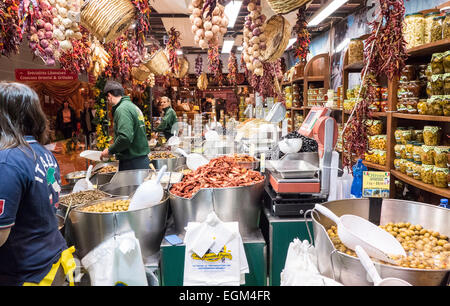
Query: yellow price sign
376	184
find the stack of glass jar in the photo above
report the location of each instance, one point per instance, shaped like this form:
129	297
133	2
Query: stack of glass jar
419	155
422	29
412	88
316	96
292	96
377	142
355	51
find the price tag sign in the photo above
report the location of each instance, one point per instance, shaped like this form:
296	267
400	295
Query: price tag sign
262	162
376	184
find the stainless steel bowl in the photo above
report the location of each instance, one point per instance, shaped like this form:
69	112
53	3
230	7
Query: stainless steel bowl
348	269
242	204
73	177
99	178
171	163
91	229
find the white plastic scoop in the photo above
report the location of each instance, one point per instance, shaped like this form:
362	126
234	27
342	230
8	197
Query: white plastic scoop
277	113
91	154
84	184
370	268
173	141
193	160
148	193
354	230
211	135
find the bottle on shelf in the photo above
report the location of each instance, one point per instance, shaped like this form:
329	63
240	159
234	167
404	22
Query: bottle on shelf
444	203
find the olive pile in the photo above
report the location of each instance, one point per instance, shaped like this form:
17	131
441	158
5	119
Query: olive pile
425	249
108	206
309	145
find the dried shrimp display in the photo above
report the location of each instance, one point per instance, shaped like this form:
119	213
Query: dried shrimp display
425	249
220	172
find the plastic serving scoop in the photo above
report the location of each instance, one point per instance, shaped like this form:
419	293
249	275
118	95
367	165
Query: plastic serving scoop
84	184
149	193
370	268
173	141
277	113
211	135
193	160
354	230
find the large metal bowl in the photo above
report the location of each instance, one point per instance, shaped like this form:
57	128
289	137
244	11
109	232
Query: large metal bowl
348	269
91	229
241	204
171	163
73	177
101	178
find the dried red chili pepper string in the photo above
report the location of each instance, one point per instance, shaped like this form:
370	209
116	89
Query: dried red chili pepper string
232	69
303	36
172	46
10	27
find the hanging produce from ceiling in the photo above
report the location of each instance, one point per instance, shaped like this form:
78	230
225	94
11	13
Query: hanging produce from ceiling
11	35
198	65
209	22
172	46
232	69
254	38
301	45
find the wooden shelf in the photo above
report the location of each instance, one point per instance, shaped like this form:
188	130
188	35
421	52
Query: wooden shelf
356	67
444	192
374	166
379	114
318	78
429	49
422	117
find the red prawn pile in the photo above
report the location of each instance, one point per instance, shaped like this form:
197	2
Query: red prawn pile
220	172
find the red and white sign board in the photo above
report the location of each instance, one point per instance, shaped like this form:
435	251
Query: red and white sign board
32	75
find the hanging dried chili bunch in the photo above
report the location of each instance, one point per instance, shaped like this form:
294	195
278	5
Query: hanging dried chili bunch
303	36
10	27
264	85
78	59
244	65
142	29
120	64
198	65
214	61
172	46
389	46
232	69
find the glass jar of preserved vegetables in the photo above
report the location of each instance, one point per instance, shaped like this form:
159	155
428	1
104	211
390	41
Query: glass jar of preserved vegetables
434	105
440	177
405	136
399	149
432	135
381	157
428	24
417	152
437	84
414	30
414	88
409	147
398	133
397	163
422	107
440	156
426	174
446	62
403	166
446	27
355	51
409	168
411	105
437	64
446	105
436	28
418	135
422	73
408	73
417	168
427	157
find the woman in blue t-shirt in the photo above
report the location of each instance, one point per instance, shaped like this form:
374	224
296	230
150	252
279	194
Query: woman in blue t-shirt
32	250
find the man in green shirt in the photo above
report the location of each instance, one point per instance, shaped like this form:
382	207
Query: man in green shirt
130	139
169	119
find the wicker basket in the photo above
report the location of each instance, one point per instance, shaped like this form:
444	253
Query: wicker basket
158	63
278	32
107	19
286	6
184	68
140	73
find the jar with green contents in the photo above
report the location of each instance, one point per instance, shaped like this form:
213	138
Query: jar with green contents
409	168
418	135
432	135
446	105
409	148
417	168
445	27
446	62
417	152
428	20
381	154
427	157
437	64
411	105
422	107
397	163
398	149
437	84
405	136
355	51
446	83
403	165
436	28
440	177
398	133
434	106
426	174
440	156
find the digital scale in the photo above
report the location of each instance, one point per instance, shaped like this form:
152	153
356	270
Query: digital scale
298	181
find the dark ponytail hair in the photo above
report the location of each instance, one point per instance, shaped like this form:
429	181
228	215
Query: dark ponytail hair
20	115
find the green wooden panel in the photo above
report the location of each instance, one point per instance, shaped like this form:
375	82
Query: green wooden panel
283	233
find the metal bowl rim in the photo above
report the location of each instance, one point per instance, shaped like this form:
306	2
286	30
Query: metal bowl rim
379	263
